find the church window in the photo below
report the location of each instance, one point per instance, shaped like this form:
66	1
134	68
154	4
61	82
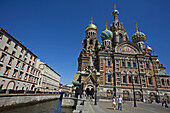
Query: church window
130	79
120	37
150	80
124	79
134	64
167	82
123	64
147	66
163	82
128	63
109	63
136	79
109	78
91	42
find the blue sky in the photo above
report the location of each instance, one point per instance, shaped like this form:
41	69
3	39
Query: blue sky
54	29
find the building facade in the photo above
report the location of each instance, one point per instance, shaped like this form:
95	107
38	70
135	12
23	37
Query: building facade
49	79
20	69
117	63
17	65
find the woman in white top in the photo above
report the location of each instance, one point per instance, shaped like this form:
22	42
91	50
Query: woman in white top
114	102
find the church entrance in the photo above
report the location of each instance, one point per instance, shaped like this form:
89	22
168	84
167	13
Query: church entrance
90	92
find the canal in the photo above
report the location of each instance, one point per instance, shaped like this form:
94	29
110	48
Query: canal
53	106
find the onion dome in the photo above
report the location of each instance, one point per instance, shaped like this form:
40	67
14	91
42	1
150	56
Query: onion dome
91	26
138	36
149	49
115	11
157	60
106	33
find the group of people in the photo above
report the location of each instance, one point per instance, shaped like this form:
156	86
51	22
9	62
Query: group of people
119	101
166	102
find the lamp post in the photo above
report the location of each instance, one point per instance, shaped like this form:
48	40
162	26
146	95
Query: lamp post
134	96
95	103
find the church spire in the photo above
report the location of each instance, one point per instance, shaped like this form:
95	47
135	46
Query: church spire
91	20
106	24
114	6
136	26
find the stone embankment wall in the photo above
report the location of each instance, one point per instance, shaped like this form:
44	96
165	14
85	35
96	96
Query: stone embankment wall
8	100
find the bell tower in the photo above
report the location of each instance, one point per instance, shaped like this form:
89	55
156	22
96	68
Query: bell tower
89	46
119	32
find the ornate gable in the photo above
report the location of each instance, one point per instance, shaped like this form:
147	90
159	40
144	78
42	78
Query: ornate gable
128	48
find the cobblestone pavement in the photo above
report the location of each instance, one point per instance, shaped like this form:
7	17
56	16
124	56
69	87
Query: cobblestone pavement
106	107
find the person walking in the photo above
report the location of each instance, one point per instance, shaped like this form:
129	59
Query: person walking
114	102
166	103
162	102
119	103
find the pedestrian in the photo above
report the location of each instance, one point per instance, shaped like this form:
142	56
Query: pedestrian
166	103
162	102
119	103
114	102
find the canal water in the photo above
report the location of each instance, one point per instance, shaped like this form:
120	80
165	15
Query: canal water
53	106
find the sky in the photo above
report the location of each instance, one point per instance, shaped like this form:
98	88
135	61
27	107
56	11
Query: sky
54	29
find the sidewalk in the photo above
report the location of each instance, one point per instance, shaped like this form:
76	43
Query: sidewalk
106	107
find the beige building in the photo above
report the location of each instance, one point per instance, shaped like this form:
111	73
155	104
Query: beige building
18	69
49	79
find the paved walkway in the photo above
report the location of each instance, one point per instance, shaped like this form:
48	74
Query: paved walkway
106	107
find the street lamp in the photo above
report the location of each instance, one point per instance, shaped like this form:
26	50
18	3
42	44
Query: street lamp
134	96
95	103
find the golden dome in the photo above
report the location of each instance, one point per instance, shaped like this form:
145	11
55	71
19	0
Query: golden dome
91	26
149	49
157	60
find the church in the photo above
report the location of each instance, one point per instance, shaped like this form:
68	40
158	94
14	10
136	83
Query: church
116	64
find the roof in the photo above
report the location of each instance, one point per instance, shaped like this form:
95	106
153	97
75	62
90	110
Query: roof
75	79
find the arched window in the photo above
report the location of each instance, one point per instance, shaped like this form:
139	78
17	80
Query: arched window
91	42
130	79
163	82
167	82
105	43
109	63
120	37
109	78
